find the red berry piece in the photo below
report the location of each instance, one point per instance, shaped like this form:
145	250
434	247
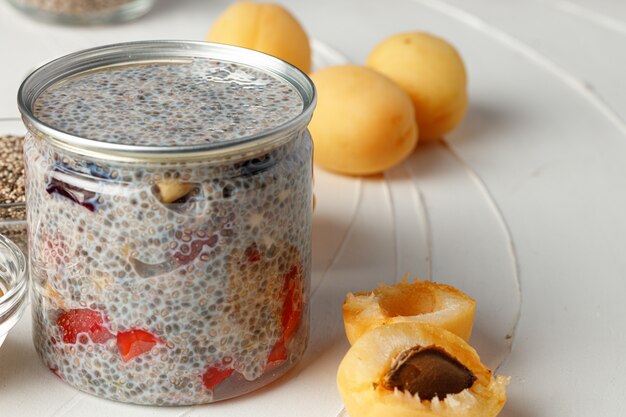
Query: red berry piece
215	375
292	306
55	371
279	352
290	315
82	325
252	254
133	343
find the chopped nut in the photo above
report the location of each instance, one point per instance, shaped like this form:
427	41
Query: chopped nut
169	191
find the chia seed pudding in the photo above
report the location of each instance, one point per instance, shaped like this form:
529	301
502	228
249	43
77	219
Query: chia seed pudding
169	220
84	11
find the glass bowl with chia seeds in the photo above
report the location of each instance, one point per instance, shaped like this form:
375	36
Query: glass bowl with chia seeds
83	12
13	285
12	196
169	204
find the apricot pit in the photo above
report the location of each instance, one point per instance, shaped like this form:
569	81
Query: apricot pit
428	372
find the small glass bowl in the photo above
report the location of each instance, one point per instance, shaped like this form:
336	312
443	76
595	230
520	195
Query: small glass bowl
84	12
13	283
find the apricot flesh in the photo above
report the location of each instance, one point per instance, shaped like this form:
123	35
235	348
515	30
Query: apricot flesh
363	371
420	301
363	123
432	73
264	27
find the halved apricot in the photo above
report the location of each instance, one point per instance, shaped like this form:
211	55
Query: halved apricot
415	369
420	301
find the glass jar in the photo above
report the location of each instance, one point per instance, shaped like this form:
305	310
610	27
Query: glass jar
82	12
169	210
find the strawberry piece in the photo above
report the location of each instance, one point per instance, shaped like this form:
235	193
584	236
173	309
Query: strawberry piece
292	306
290	315
215	375
133	343
252	254
55	371
84	322
278	353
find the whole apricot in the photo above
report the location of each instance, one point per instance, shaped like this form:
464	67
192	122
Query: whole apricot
363	123
264	27
432	73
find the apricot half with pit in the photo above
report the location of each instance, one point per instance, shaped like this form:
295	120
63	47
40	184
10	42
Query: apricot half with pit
264	27
420	301
417	370
432	73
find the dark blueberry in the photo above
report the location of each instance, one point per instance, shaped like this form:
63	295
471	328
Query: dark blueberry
257	165
85	198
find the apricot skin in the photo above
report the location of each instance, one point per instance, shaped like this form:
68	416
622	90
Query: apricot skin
363	124
431	72
264	27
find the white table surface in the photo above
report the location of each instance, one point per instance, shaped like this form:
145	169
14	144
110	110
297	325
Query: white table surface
523	206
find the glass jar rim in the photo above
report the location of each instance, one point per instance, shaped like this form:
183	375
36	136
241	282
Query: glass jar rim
163	51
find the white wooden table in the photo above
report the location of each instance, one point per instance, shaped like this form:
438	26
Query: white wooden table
523	206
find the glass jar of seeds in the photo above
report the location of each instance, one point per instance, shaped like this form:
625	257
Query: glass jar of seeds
169	217
12	195
82	12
